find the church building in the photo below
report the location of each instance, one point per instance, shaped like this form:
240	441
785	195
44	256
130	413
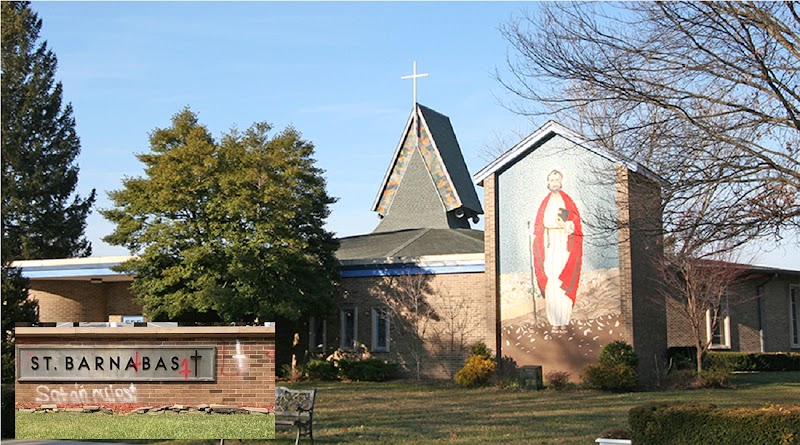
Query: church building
565	264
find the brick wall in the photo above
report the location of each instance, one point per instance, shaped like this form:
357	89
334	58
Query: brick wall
490	244
79	300
746	323
245	367
463	317
640	247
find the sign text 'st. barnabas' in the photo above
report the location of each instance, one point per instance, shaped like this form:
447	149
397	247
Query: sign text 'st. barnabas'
126	363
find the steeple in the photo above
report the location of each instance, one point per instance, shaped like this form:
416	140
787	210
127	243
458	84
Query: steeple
427	184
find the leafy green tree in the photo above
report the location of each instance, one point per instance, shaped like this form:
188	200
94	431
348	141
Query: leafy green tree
231	229
41	216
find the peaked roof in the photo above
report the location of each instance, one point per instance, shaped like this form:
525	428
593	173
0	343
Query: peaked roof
545	133
443	161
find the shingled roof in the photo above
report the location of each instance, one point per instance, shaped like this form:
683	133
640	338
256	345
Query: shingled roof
410	243
427	184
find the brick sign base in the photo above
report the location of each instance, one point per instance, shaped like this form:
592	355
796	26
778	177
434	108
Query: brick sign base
243	366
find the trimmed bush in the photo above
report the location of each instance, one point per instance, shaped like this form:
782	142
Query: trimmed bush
321	370
742	361
696	424
367	370
480	349
618	353
476	371
615	370
7	409
618	378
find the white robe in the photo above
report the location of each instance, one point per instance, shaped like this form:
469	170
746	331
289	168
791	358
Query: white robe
558	304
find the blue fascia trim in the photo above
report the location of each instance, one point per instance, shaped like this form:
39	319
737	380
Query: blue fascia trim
66	273
346	272
405	269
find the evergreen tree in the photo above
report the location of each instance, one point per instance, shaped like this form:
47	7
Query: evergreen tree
39	147
230	229
16	307
41	217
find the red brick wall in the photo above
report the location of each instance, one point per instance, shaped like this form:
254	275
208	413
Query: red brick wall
246	381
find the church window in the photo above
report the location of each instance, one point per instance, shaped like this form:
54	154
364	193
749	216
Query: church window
317	334
380	329
794	308
348	322
718	326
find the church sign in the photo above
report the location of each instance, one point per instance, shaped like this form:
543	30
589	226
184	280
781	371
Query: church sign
119	363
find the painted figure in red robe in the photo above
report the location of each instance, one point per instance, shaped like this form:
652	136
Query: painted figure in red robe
558	252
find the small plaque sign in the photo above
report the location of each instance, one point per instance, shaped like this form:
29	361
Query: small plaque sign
122	363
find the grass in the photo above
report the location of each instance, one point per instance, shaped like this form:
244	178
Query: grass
403	412
66	425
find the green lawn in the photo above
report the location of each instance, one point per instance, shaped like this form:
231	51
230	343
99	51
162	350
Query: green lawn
64	425
403	412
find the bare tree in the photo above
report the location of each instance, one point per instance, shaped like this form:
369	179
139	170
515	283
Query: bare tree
703	93
499	143
702	292
406	298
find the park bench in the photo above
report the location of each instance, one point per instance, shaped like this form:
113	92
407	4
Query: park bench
295	407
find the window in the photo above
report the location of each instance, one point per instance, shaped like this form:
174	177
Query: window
719	327
131	319
317	334
794	308
348	322
380	329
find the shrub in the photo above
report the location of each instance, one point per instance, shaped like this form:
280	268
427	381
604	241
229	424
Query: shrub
695	424
480	349
7	396
317	369
505	375
476	371
618	378
292	374
618	353
367	370
714	377
557	380
615	370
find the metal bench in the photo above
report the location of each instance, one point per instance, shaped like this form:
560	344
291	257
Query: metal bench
295	407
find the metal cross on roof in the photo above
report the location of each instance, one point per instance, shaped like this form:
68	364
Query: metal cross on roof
414	77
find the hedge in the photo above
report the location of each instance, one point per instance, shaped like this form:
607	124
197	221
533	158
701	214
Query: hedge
684	357
701	424
368	370
743	361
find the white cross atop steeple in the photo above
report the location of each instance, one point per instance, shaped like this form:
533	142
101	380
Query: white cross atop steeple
414	77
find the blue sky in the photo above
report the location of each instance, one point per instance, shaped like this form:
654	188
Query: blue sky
330	69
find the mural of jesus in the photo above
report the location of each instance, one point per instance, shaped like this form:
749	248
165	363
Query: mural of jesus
557	252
